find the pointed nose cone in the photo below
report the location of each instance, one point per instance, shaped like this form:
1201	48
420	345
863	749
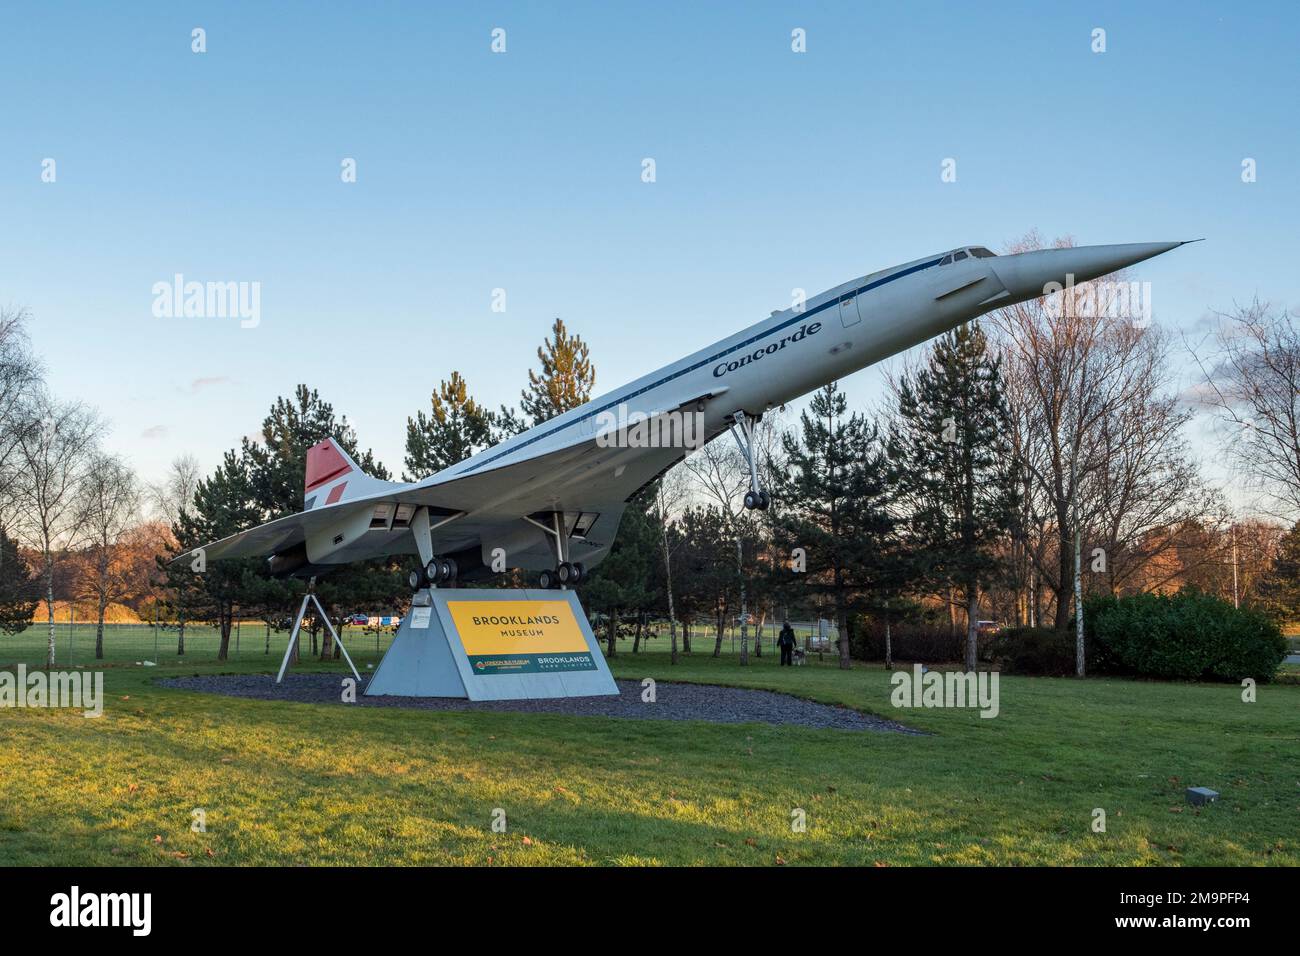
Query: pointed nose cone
1096	261
1027	275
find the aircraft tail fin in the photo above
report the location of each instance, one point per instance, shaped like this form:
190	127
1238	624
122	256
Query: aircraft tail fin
332	476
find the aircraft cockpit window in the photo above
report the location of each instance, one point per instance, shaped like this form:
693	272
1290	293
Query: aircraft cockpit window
959	256
946	259
979	252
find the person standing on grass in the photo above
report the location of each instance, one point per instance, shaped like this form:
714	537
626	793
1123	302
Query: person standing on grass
786	641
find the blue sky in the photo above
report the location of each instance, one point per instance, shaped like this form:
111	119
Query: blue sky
522	171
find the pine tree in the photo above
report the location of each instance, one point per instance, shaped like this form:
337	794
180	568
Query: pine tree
457	428
278	474
262	481
832	503
225	503
279	460
710	583
564	382
1279	587
19	589
951	442
624	580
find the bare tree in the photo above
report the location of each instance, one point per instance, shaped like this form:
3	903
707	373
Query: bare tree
175	492
669	499
19	374
1096	430
1146	486
52	457
721	475
1252	381
111	505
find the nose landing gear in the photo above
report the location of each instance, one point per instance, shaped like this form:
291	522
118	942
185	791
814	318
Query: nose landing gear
743	432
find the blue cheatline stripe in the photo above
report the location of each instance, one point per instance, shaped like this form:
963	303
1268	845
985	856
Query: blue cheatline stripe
615	402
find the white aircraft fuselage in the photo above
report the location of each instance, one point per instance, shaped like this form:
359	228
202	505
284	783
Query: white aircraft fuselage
554	494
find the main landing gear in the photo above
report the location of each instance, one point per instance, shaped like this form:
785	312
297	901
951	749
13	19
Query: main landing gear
437	572
566	575
743	432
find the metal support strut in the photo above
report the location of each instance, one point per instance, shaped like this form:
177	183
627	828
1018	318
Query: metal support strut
310	596
743	431
566	572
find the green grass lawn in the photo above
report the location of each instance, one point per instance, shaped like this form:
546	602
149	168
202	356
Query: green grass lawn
74	644
292	783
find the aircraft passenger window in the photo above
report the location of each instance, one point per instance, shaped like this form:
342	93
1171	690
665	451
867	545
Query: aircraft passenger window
958	256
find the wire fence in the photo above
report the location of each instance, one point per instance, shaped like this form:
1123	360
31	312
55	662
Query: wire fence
162	644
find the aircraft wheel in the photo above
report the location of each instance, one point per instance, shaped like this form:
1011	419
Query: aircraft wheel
546	580
565	572
432	570
579	572
764	501
751	501
452	568
416	580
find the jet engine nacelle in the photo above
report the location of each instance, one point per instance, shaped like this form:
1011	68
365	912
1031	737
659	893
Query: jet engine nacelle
337	537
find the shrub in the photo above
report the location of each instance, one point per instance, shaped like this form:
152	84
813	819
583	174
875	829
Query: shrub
1186	636
1040	651
910	641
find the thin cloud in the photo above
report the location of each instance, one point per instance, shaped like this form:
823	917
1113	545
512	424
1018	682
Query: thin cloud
208	382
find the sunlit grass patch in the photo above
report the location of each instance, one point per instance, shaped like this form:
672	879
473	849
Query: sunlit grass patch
283	783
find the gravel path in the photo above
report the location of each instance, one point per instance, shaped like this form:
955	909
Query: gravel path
723	705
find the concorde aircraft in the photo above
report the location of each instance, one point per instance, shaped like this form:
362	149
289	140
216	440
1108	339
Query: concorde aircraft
550	499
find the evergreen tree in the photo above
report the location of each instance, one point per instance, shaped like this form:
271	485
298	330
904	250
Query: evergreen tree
564	382
279	470
261	482
952	444
1279	587
457	428
832	503
624	580
279	460
225	503
695	539
19	589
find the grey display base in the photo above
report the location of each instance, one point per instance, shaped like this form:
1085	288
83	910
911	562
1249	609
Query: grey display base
427	659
